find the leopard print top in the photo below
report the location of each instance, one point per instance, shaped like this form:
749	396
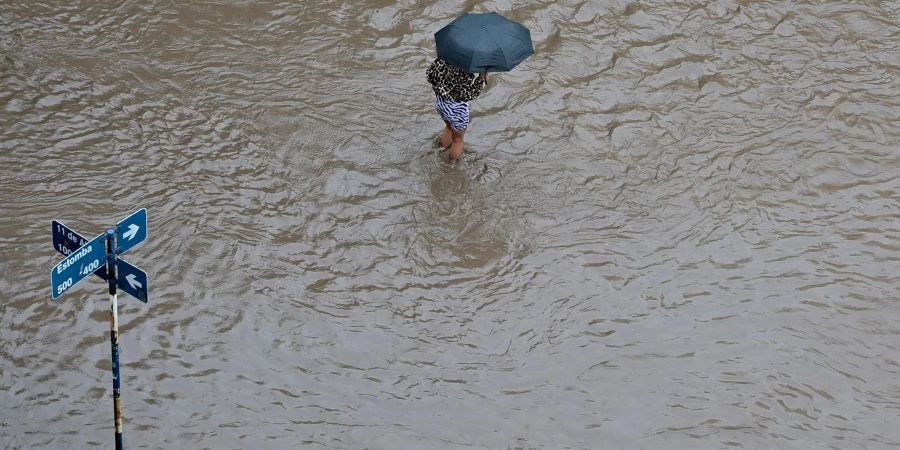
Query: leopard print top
453	83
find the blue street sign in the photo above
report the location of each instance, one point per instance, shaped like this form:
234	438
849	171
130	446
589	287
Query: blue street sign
132	231
77	266
67	240
132	280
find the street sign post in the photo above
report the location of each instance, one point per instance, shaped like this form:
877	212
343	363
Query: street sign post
100	256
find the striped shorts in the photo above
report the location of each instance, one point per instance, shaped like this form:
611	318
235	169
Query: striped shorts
457	113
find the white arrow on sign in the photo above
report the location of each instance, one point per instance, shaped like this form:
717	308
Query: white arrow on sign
132	281
132	232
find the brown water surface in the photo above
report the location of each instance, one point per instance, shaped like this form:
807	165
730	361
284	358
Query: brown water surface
675	226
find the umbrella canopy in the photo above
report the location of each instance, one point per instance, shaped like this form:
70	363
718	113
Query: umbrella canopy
484	43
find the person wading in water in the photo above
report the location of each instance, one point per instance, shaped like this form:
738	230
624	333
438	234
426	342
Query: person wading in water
453	89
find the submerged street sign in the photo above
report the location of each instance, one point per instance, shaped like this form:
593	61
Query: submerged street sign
132	280
100	256
94	258
67	240
82	262
132	231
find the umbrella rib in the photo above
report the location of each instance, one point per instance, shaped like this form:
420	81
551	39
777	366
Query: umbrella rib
505	59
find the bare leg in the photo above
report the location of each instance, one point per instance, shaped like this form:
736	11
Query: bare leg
446	135
456	144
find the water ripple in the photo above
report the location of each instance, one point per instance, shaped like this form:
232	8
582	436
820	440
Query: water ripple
675	225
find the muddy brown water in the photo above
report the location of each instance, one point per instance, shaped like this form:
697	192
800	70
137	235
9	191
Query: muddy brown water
675	226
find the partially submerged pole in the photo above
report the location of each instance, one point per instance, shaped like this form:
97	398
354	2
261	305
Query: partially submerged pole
83	258
111	250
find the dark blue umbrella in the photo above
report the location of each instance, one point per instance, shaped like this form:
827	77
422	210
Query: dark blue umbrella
484	43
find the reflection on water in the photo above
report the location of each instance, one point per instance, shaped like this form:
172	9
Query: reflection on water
676	225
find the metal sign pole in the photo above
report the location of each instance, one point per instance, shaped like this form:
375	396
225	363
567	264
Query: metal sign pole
111	250
83	258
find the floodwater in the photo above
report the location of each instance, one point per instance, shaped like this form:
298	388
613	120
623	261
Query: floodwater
675	226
